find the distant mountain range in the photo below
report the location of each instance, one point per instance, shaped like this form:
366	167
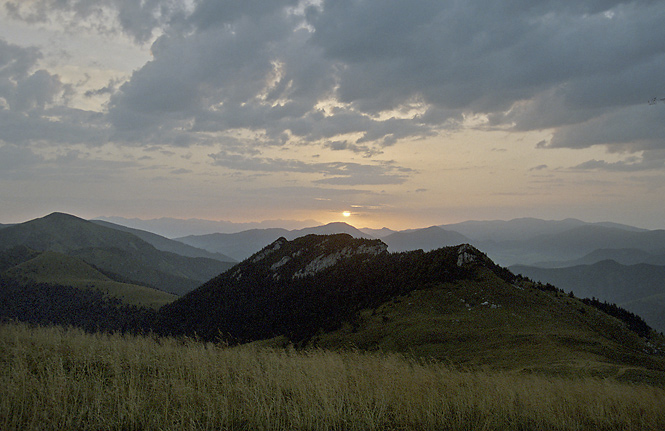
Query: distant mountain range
121	255
519	241
173	227
165	244
521	229
426	239
624	256
241	245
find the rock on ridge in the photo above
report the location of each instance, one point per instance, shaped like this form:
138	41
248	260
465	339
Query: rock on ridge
324	261
306	255
466	254
269	250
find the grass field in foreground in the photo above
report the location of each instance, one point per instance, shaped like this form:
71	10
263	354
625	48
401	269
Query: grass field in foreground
54	378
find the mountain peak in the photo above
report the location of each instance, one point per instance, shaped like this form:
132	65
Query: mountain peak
58	216
316	281
307	255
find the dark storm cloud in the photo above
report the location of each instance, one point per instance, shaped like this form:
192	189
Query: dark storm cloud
584	69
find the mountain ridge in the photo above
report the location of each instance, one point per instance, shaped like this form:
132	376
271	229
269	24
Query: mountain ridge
355	266
170	227
165	244
453	303
426	239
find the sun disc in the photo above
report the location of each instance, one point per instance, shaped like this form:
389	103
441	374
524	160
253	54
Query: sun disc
346	213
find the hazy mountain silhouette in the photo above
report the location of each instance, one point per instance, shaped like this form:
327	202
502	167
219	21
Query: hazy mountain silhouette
426	239
377	233
173	228
571	244
116	252
624	256
519	241
237	245
165	244
521	229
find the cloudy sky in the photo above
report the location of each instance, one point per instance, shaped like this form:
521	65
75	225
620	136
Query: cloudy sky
405	114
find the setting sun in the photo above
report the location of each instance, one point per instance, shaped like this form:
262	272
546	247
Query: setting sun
346	214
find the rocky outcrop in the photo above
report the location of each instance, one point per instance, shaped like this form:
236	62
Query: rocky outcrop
324	261
466	254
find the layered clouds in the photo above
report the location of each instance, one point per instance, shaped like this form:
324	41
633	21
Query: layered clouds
330	91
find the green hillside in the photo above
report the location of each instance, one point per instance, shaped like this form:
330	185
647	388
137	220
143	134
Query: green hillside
629	286
125	256
488	322
59	269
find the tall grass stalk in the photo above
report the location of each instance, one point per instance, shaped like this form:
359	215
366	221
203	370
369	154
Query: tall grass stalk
55	378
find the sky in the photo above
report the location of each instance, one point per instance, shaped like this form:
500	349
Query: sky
374	112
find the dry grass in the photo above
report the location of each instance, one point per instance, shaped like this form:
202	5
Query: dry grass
52	378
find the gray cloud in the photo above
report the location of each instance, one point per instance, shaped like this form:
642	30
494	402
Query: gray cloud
21	89
584	69
363	179
358	149
634	128
33	104
647	162
139	19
